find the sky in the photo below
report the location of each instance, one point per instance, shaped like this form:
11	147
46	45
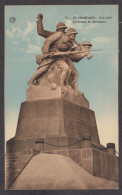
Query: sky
98	77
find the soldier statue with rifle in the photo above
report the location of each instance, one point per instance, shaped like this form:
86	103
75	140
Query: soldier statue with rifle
58	51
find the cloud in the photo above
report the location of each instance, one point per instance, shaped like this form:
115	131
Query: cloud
85	27
102	40
33	49
14	42
89	27
10	34
17	32
69	23
30	27
38	39
77	26
20	50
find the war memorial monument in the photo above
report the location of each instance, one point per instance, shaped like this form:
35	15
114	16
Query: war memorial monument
56	145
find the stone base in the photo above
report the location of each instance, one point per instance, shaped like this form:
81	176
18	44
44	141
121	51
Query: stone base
96	162
45	143
14	164
56	121
55	117
57	172
52	91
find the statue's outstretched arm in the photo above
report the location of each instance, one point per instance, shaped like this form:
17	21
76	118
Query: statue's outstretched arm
40	30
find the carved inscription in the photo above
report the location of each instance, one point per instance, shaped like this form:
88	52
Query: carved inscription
81	128
75	112
70	124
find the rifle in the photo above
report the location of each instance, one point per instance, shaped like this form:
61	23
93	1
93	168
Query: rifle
67	53
50	57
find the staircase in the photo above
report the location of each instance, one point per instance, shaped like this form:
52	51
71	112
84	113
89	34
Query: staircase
14	164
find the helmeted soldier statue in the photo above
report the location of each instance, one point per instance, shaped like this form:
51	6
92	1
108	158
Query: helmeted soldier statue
58	41
60	27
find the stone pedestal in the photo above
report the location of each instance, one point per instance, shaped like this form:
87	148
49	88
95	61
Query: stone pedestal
48	91
57	121
62	125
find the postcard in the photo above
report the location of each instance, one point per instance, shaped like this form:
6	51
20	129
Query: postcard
61	97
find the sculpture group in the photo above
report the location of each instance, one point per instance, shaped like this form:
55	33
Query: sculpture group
56	63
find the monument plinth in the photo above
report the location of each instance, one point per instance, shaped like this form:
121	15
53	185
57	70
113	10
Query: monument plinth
54	119
46	93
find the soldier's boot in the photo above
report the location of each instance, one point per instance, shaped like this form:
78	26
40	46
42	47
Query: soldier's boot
31	82
38	73
34	77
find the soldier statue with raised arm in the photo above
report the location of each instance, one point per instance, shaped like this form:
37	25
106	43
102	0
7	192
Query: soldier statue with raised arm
56	64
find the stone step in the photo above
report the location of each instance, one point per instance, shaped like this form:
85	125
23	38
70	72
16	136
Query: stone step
18	165
9	167
14	160
13	154
11	160
25	157
10	176
17	156
13	171
12	157
27	152
7	161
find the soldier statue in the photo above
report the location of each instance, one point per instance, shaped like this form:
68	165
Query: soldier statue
58	51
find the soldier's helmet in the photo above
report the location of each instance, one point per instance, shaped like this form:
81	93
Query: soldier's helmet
71	31
86	43
60	25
